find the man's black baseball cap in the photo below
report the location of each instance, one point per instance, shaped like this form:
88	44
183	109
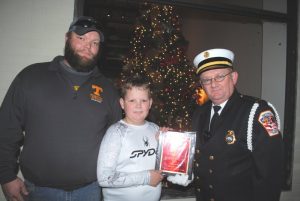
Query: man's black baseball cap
84	24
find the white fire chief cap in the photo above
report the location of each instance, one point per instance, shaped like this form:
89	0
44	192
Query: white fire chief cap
213	59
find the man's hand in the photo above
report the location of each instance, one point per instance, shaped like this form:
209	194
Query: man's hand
155	177
180	179
15	190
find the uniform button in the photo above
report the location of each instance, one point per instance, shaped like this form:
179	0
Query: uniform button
197	178
197	164
198	151
211	157
211	186
210	171
198	189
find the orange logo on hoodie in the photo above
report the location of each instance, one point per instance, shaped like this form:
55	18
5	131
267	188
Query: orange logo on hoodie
96	94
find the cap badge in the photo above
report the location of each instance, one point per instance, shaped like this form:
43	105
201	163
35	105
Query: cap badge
230	137
206	54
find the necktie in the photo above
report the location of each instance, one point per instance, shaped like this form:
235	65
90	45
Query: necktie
214	118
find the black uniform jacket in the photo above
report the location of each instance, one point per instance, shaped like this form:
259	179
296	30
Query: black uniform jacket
225	168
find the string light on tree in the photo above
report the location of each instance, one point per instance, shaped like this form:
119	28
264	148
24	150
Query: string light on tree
158	51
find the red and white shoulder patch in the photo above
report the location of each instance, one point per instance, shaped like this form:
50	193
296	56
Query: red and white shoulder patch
268	121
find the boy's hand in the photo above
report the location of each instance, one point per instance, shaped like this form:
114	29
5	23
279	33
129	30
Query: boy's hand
155	177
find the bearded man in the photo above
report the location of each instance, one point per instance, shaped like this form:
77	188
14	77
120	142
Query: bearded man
58	111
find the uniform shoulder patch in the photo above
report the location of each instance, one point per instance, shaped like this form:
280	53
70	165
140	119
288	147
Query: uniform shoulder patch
268	121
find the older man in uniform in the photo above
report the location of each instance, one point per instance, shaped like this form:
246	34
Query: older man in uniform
239	149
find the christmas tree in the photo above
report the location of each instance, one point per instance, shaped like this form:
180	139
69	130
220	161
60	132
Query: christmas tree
158	51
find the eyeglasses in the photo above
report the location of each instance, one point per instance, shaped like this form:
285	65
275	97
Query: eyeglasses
218	78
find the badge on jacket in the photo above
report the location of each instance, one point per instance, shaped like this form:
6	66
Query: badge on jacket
230	137
96	94
268	121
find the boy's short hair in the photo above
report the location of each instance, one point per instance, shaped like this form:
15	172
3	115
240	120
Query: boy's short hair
137	80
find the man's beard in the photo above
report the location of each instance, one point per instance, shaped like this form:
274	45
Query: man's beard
77	62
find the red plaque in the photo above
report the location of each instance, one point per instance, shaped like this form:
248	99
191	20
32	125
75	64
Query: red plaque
176	152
